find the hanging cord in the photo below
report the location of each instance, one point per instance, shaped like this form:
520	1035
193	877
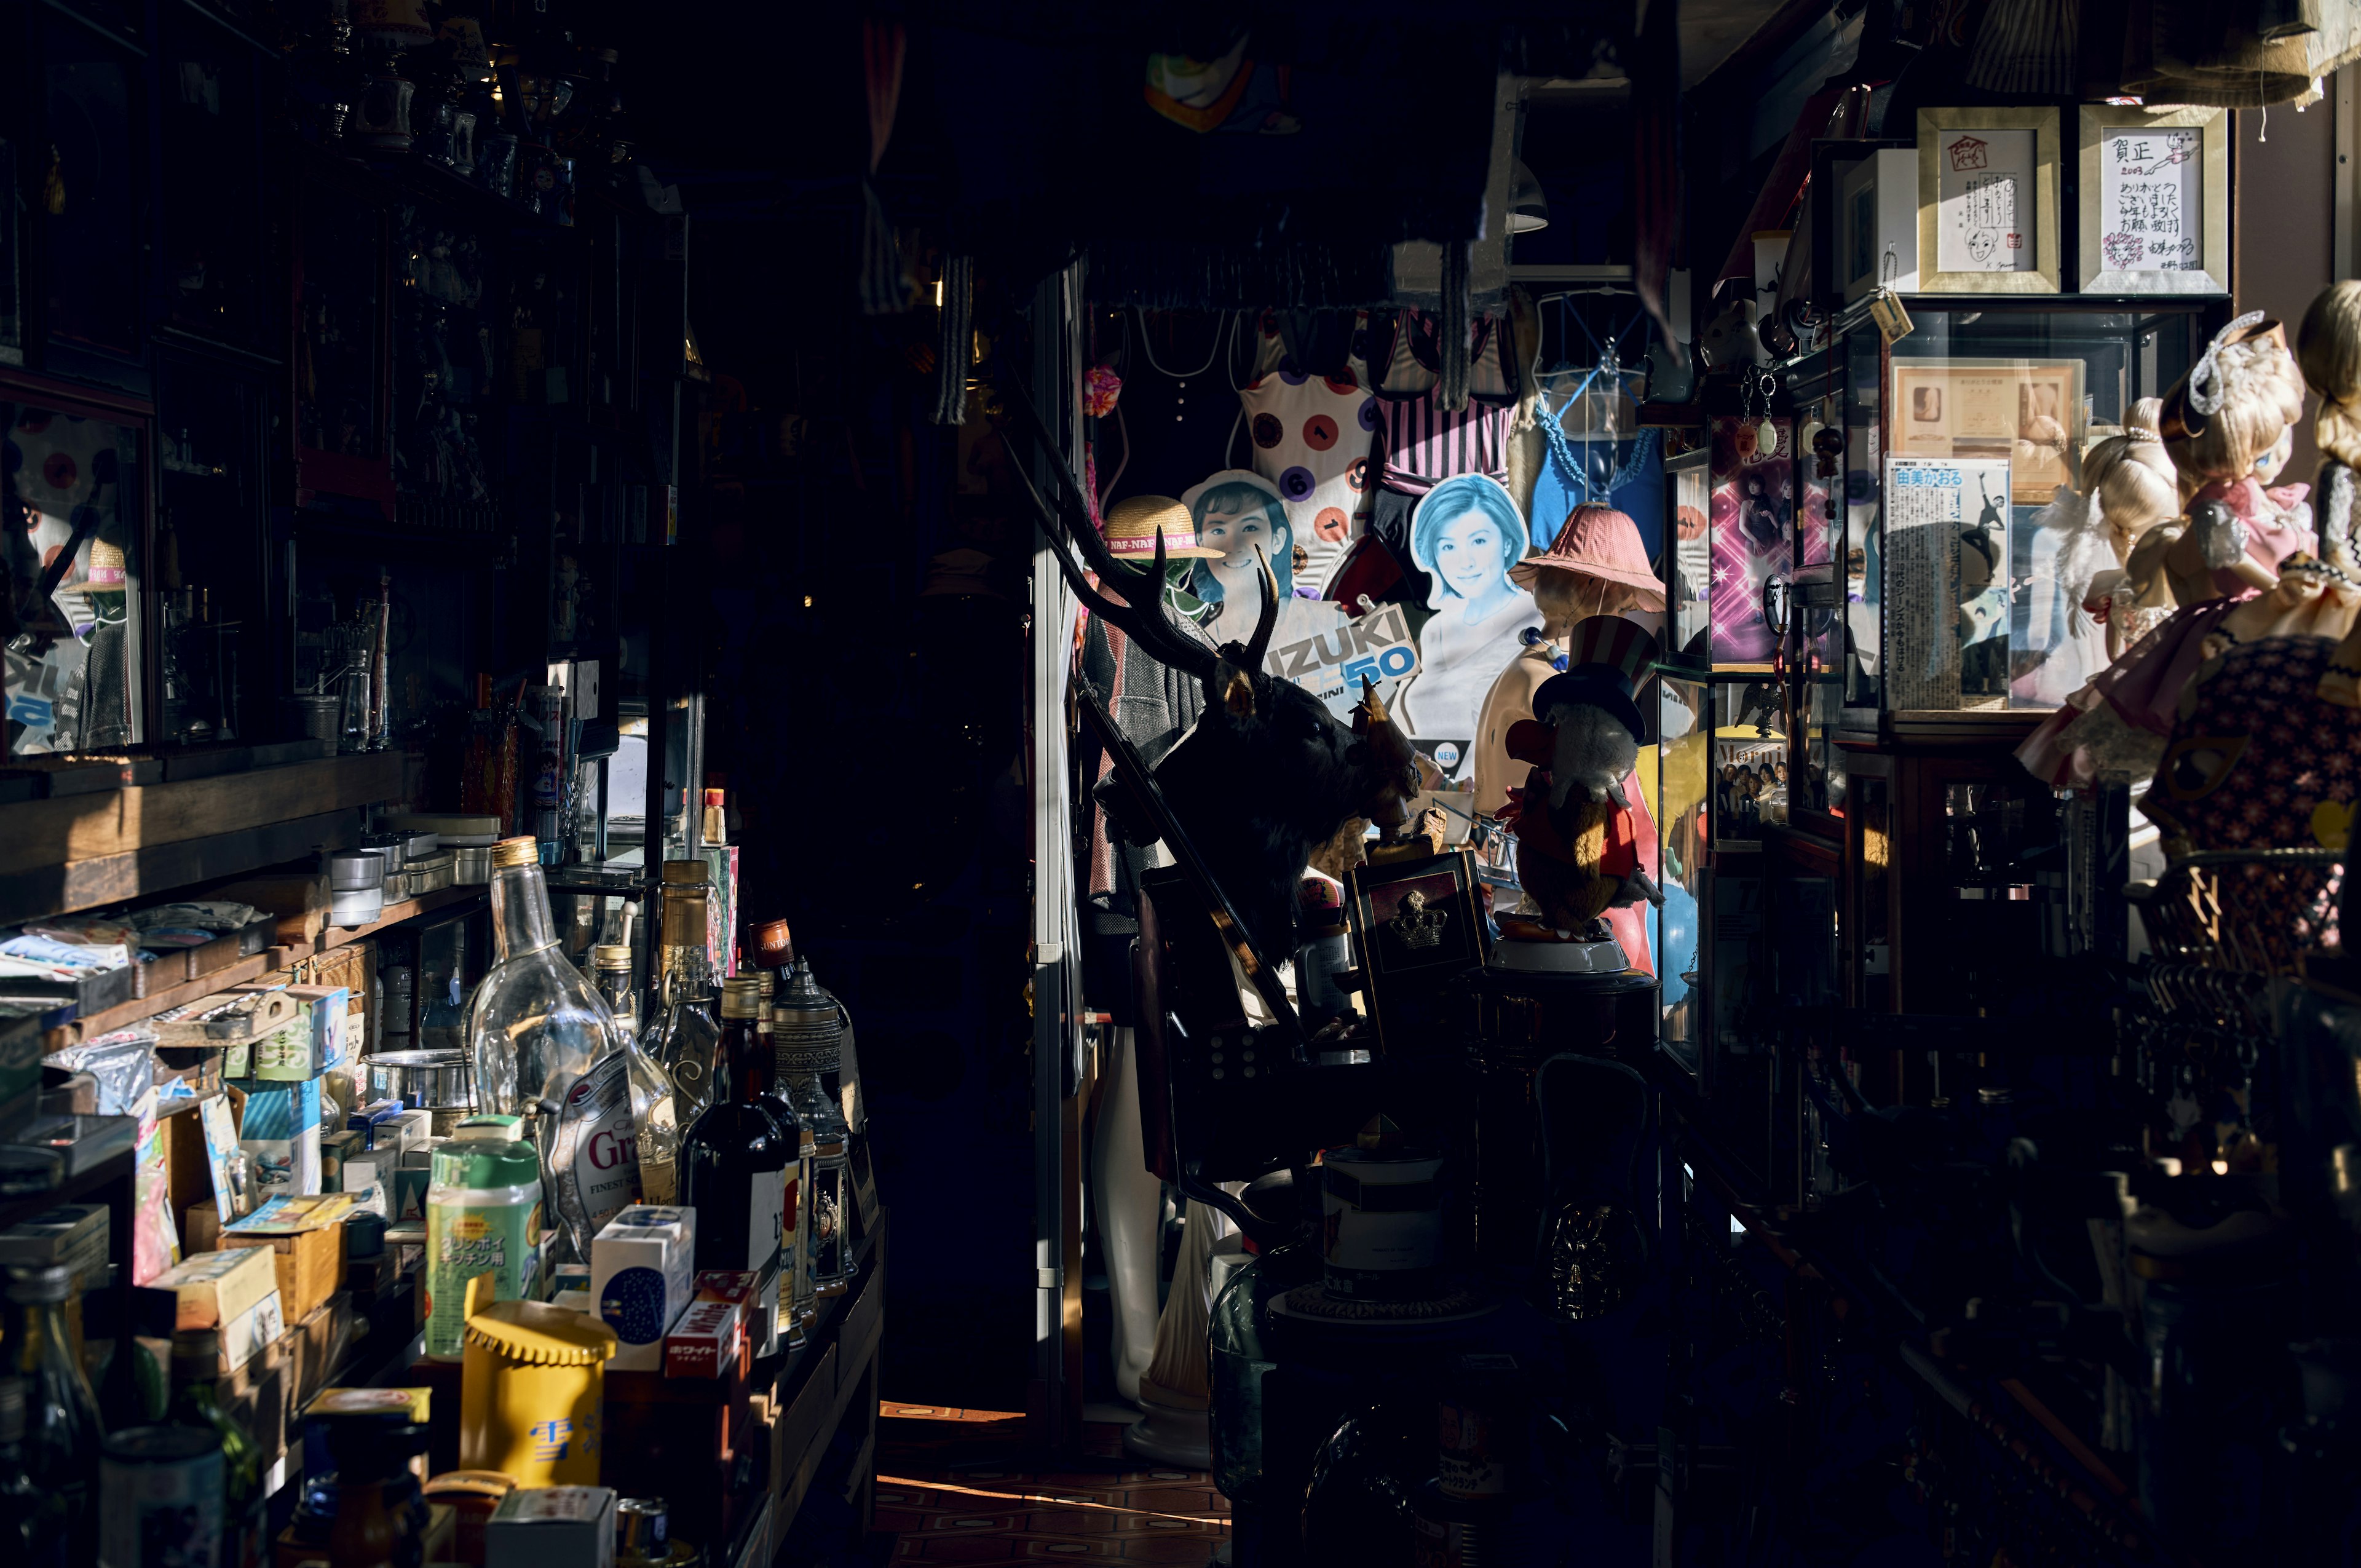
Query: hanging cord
955	346
1222	323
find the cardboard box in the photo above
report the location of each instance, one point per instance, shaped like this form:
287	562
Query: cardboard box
288	1052
369	1180
306	1239
708	1340
75	1234
331	1008
642	1268
552	1526
212	1289
319	1342
253	1331
280	1132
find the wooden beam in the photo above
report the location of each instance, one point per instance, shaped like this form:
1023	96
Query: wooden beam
29	893
48	835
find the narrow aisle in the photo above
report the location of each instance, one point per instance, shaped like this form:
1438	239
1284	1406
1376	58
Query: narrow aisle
954	1486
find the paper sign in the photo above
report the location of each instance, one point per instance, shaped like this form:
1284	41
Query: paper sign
220	1141
1331	667
1946	582
2151	200
1984	196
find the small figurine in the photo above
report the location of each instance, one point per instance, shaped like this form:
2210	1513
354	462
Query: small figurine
1577	851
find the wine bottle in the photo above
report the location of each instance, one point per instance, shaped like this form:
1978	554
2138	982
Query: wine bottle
738	1164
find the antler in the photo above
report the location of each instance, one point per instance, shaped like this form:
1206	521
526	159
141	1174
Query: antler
1141	614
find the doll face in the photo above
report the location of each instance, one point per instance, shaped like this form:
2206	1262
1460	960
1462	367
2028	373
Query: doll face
2268	466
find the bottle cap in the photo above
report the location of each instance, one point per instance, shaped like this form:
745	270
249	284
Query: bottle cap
685	874
771	945
40	1287
509	853
740	997
806	1028
541	1335
611	958
481	1160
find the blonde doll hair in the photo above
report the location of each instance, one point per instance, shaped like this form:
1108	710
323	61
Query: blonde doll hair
2329	346
2130	479
2260	391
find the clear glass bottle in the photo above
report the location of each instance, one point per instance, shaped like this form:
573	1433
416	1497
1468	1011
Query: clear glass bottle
32	1516
656	1115
444	1025
62	1428
196	1368
809	1033
684	1037
536	1022
737	1162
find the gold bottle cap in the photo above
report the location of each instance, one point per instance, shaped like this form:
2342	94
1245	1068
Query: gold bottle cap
740	997
611	958
685	874
773	945
521	851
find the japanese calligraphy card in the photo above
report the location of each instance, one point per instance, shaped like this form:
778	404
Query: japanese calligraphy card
2155	201
1988	200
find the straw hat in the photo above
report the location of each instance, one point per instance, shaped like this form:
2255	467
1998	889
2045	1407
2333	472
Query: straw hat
108	572
1597	542
1133	523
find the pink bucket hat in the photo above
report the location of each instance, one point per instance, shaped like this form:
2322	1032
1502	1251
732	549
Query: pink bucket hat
1597	542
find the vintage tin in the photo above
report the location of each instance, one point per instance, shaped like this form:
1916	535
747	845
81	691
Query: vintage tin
161	1499
1382	1235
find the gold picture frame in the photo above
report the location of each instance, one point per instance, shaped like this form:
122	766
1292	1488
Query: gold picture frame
1974	165
2026	411
2178	145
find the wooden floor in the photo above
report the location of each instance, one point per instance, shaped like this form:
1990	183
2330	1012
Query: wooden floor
956	1486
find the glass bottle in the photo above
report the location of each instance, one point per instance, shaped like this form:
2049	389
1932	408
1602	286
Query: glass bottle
809	1034
444	1025
684	1037
32	1516
196	1367
655	1117
737	1163
61	1430
368	1512
536	1022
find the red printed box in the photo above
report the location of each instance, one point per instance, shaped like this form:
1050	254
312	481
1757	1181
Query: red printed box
710	1335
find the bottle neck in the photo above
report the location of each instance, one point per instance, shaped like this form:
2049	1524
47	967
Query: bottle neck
750	1068
520	922
615	990
44	1333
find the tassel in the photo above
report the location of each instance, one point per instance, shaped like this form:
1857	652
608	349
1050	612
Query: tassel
955	346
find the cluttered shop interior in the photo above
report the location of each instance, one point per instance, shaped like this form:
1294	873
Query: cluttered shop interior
1501	787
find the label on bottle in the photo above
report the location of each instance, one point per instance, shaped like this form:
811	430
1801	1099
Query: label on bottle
594	1156
766	1209
463	1240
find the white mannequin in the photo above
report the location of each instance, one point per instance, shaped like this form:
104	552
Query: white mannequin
1130	1207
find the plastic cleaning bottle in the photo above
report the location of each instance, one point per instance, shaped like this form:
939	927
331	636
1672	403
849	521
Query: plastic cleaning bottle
483	1216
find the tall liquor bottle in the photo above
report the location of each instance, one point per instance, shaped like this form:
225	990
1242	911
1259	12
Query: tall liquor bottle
809	1033
772	950
738	1164
684	1037
655	1115
32	1518
246	1526
61	1430
536	1023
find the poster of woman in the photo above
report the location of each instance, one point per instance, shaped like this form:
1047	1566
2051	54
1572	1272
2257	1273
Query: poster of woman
1242	515
1464	534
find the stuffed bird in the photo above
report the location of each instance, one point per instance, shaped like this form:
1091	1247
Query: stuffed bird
1577	852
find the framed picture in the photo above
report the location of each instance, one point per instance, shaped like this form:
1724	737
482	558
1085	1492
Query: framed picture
2029	412
1416	927
2155	201
1988	202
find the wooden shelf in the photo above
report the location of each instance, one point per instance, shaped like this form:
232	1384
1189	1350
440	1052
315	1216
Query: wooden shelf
246	969
79	851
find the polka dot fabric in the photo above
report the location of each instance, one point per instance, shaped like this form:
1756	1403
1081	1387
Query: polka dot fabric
1312	436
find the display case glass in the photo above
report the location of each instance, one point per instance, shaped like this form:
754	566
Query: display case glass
1963	583
77	502
89	194
212	226
1684	808
447	391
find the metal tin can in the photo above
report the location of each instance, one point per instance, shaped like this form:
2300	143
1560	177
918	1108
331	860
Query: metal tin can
1383	1237
161	1499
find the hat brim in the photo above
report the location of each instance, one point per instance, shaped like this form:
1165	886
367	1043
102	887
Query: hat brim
1171	553
1568	687
1525	572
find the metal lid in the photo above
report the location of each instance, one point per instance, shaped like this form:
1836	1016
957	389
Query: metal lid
540	1334
807	1026
610	958
356	871
641	1525
160	1445
485	1154
521	851
686	873
740	997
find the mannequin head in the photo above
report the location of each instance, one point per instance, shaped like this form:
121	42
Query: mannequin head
2260	393
2329	345
2131	478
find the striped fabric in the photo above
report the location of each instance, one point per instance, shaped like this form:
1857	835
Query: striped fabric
1424	444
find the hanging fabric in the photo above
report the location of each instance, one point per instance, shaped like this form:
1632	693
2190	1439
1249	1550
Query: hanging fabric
1452	328
955	342
885	285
